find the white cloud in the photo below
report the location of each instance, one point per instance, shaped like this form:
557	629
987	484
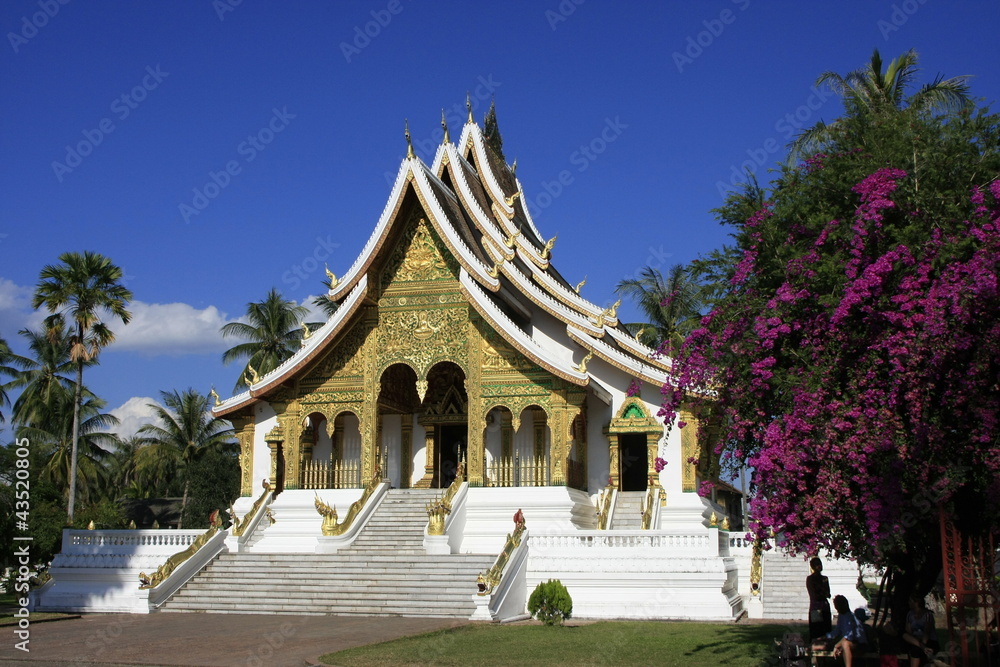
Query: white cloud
316	314
172	328
16	312
133	413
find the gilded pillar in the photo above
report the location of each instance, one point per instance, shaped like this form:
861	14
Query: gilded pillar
293	445
476	473
615	471
369	420
652	478
243	426
405	454
427	481
689	451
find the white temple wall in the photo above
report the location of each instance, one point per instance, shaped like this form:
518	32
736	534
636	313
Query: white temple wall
547	331
264	420
492	437
352	438
392	445
419	451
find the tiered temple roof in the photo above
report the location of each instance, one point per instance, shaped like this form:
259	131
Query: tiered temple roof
475	203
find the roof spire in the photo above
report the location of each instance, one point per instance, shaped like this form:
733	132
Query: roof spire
409	146
468	106
513	168
444	124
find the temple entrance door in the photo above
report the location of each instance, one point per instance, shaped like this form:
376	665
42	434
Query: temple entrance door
453	441
632	457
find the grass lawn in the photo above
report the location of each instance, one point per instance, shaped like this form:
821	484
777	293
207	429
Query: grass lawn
602	643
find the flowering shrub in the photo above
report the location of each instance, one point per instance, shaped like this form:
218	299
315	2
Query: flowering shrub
854	357
659	464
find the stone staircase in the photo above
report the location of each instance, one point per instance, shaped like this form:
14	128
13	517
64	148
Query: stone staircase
628	511
385	572
783	583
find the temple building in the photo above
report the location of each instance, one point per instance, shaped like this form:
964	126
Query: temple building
465	425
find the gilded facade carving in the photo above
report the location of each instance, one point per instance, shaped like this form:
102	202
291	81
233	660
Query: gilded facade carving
418	257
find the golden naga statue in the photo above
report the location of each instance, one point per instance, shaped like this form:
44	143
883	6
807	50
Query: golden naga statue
251	377
579	285
165	570
331	277
305	331
582	368
215	397
329	515
511	199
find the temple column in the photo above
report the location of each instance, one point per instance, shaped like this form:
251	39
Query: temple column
405	454
540	423
613	451
689	451
506	434
652	477
292	447
427	481
243	426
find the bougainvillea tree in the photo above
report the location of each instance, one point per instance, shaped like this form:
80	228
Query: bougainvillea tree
852	359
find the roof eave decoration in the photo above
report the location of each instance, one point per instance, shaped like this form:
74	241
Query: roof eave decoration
619	360
517	338
624	340
312	347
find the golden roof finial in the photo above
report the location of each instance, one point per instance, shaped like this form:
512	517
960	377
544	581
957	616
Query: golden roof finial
638	335
251	376
547	250
215	395
613	310
332	278
468	106
513	198
305	331
513	168
495	271
582	368
579	285
409	146
444	125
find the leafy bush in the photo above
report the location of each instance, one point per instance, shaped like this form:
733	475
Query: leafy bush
550	602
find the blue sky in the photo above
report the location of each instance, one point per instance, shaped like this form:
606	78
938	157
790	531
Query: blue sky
117	115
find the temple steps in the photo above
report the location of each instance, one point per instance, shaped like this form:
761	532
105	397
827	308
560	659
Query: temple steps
385	572
783	584
628	510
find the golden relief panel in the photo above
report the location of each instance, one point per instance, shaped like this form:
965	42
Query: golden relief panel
418	256
422	337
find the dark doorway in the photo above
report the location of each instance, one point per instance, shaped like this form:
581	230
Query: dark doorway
453	443
632	455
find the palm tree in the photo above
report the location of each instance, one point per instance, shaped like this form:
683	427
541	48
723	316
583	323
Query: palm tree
6	356
870	93
78	292
670	305
273	334
188	430
44	378
87	476
323	301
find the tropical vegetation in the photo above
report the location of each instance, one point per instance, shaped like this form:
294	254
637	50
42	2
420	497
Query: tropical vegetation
852	348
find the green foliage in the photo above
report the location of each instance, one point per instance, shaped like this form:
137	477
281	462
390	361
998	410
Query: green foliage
105	513
214	482
550	602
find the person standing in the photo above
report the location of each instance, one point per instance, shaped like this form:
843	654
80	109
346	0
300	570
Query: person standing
818	586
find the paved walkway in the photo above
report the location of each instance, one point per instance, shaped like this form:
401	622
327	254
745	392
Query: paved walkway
204	640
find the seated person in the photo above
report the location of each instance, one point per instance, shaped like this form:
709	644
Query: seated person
920	636
848	634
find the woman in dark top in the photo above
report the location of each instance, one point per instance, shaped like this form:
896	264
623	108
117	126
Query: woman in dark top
818	586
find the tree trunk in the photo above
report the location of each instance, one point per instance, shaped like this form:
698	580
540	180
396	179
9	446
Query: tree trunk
78	397
184	502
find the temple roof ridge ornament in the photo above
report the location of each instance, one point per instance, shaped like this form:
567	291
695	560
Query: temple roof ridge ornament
444	125
617	358
409	144
633	344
